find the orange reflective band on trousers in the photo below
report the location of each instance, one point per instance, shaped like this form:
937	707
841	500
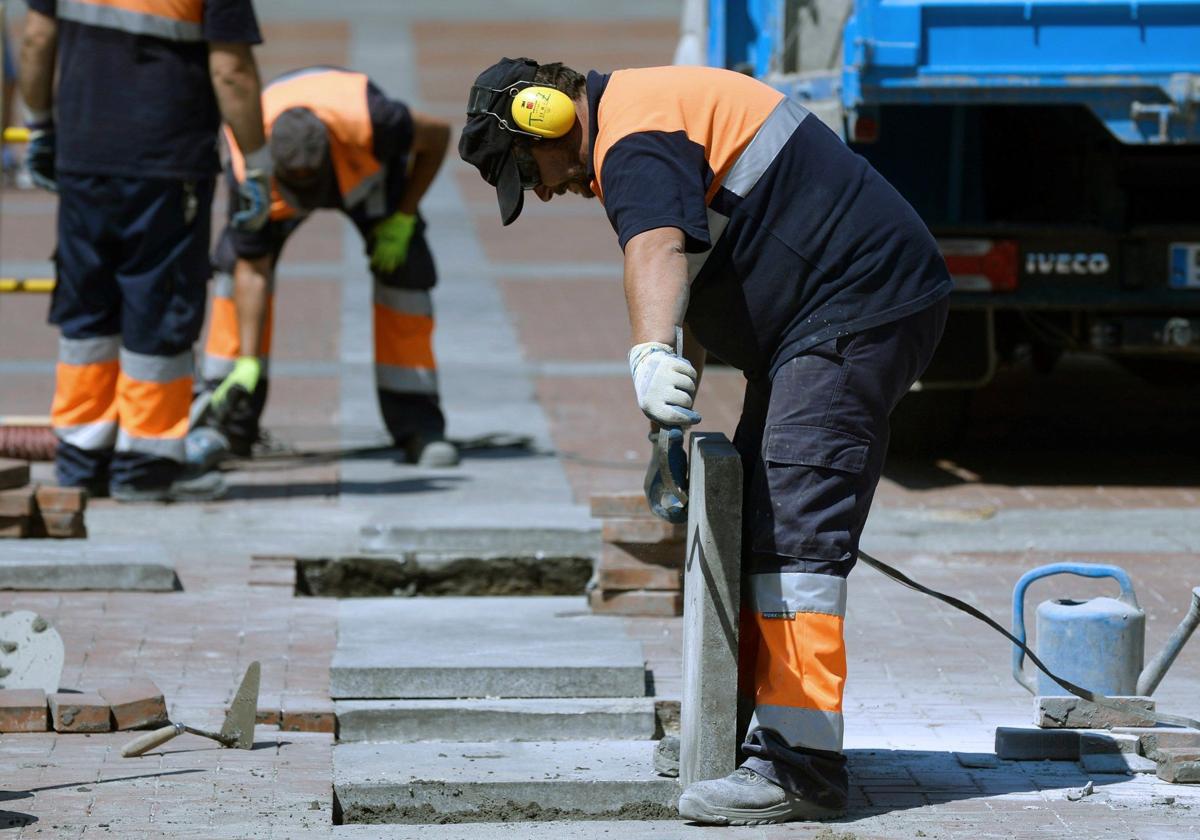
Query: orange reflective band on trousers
154	394
84	411
403	339
793	657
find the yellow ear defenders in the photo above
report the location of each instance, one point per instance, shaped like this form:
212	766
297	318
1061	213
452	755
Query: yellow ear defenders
543	111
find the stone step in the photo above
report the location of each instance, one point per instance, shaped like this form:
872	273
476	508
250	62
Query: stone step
576	719
67	566
429	648
494	781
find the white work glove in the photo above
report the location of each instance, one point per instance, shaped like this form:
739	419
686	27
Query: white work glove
254	192
665	384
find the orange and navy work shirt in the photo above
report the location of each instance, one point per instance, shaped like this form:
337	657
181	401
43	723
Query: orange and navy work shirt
370	141
134	95
792	238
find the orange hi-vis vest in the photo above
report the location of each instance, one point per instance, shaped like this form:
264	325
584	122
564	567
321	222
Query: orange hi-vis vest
339	99
172	20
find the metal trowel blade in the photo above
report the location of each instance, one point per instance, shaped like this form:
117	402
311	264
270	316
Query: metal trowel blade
239	720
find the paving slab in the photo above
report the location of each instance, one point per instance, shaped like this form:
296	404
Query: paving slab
576	719
421	648
533	542
474	782
38	565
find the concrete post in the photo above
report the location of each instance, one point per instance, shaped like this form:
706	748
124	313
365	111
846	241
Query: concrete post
712	601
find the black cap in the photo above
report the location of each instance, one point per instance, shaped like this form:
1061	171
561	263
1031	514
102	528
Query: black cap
487	138
299	140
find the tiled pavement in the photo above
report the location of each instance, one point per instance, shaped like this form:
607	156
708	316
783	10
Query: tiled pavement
925	682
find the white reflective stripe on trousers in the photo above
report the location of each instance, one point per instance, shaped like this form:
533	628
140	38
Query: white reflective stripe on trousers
161	369
809	728
406	380
169	448
93	437
799	592
88	351
407	301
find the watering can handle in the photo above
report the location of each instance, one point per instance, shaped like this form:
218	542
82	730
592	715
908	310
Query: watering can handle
1091	570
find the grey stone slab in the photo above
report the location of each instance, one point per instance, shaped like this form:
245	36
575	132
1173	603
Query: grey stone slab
1117	763
509	542
711	604
576	719
1099	743
1154	738
421	648
71	565
1022	744
1073	713
489	781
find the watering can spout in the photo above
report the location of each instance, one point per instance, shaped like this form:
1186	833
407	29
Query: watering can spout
1153	673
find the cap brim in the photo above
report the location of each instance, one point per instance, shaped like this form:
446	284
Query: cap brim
508	190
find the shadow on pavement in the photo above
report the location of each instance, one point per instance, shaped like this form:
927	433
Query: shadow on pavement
6	795
329	489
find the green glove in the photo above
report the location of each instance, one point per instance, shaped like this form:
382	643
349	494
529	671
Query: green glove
391	238
245	375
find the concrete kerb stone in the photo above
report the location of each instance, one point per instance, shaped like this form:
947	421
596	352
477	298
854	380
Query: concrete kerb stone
138	567
1021	744
514	542
712	602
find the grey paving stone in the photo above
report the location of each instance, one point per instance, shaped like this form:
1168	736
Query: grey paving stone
712	602
1116	763
1153	738
561	542
423	648
51	565
1021	744
576	719
1074	713
473	782
1107	743
1180	765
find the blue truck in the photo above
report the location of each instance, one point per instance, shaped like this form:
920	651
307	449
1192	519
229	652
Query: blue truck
1052	146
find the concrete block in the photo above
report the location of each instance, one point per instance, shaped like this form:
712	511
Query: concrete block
1179	765
1020	744
1107	743
482	647
136	703
79	712
23	710
18	502
712	603
640	566
61	499
1116	763
620	505
1074	713
1151	739
140	566
13	473
641	531
660	604
471	782
577	719
62	525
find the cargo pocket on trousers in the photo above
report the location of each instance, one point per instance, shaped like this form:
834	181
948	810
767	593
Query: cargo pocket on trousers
815	479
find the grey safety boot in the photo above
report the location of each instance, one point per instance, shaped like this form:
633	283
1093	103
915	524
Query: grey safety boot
202	488
746	798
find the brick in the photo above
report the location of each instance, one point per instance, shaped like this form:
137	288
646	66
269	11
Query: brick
641	531
623	567
1020	744
136	703
61	499
620	505
14	527
1107	743
13	473
79	712
18	502
1074	713
636	602
1179	765
306	713
23	710
1151	739
62	525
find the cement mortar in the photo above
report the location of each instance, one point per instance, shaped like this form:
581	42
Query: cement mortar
507	811
415	574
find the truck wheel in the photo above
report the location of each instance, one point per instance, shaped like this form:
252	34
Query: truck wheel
928	423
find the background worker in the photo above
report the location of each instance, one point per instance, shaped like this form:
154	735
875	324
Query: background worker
338	142
128	138
746	220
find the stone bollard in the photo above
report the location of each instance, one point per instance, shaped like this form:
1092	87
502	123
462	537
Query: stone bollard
712	601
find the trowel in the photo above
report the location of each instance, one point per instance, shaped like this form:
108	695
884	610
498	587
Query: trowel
236	733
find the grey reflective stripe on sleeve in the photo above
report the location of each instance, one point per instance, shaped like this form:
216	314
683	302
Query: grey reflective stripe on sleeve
408	301
809	728
169	448
163	369
223	285
768	141
90	436
136	23
799	592
88	351
406	380
364	189
716	227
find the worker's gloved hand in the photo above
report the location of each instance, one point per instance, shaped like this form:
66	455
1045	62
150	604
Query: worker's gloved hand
389	242
665	384
663	502
237	387
254	192
39	155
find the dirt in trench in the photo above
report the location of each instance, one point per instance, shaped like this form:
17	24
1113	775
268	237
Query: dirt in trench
367	577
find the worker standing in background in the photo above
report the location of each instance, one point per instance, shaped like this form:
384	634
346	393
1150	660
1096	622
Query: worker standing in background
337	142
128	139
749	223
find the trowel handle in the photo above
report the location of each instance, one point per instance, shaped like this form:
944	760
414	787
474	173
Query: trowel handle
152	739
1091	570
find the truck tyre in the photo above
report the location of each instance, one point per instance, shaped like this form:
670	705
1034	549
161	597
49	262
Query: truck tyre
928	423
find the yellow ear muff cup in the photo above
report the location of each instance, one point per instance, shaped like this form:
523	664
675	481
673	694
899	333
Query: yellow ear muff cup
543	111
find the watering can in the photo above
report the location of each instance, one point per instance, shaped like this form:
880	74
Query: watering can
1098	643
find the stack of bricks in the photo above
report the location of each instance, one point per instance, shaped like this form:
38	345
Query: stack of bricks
32	510
133	704
640	570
